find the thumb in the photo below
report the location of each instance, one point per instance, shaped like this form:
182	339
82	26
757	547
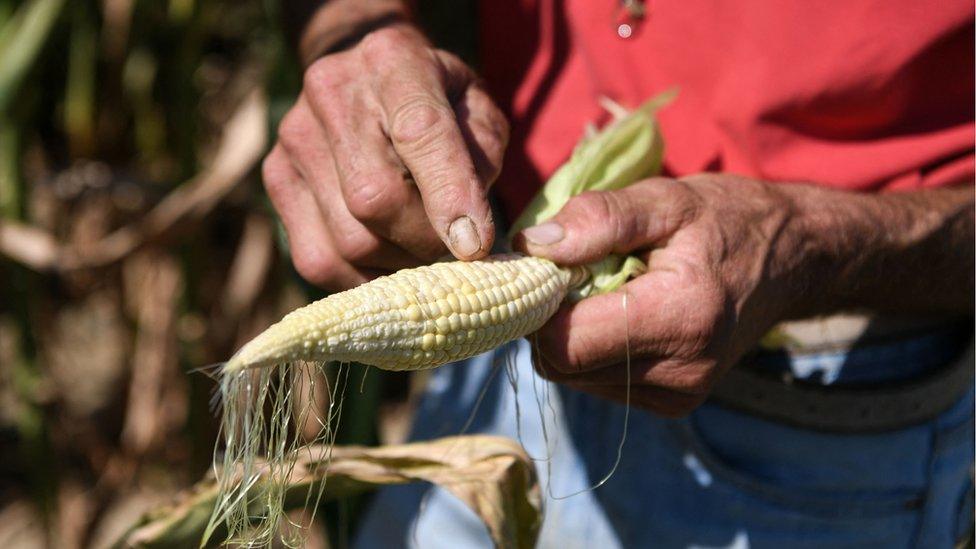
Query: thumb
593	225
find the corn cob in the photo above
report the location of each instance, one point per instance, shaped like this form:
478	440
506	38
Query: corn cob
419	318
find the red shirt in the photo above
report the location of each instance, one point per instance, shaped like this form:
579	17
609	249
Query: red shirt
854	94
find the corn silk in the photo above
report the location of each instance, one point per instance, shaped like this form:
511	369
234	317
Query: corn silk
265	411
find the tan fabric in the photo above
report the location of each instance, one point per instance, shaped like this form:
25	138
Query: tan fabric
843	331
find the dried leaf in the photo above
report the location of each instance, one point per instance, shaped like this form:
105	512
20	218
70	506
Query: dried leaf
491	475
22	525
241	147
157	282
30	246
85	349
125	509
75	511
116	21
249	270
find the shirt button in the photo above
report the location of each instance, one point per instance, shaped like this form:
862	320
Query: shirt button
629	16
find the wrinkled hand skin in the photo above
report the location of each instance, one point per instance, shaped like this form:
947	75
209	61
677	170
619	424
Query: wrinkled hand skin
728	258
711	291
385	161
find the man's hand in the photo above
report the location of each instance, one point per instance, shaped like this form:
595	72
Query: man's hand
385	158
728	258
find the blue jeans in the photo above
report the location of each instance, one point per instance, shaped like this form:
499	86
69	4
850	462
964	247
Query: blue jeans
717	478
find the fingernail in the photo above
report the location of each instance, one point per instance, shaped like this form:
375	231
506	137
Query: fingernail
548	233
464	237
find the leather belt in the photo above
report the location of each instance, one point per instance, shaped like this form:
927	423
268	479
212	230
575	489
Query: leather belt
846	409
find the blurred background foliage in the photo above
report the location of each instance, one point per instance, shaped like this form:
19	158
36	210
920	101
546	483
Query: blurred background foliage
136	246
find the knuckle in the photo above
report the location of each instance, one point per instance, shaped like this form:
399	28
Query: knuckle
355	248
491	173
493	147
269	167
369	196
681	204
591	205
273	177
502	128
623	225
279	178
381	43
686	204
605	210
316	266
293	131
322	77
495	130
276	191
316	76
418	122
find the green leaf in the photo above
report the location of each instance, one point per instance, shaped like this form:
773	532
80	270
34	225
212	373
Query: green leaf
609	274
10	144
79	100
21	39
626	151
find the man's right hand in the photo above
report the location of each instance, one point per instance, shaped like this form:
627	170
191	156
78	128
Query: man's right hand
385	159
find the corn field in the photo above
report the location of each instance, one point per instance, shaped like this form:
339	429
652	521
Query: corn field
136	246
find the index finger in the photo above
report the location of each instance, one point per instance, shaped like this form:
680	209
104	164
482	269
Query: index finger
425	135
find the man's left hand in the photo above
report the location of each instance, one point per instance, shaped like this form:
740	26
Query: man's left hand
713	286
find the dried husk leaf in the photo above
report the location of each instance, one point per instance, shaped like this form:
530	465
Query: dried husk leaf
491	475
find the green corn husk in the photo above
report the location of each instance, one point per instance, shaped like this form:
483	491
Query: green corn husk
629	149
